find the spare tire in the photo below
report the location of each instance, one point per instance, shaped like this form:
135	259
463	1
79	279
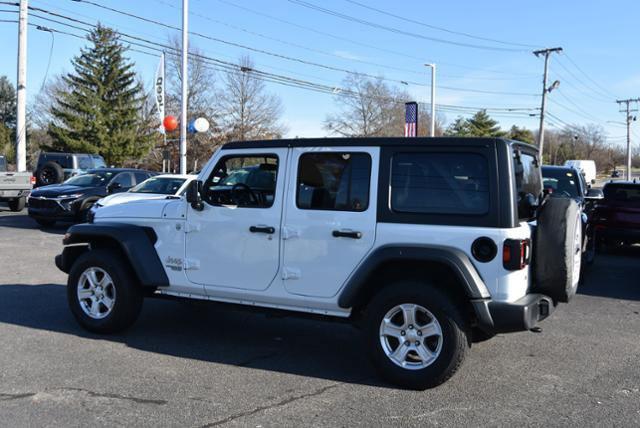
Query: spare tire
557	250
49	173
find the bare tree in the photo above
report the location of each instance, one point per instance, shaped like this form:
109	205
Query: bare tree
249	112
368	107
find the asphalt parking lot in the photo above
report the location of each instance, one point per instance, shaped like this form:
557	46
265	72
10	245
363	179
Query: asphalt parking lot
185	364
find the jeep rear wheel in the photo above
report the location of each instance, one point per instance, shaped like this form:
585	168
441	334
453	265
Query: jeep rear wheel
102	292
416	335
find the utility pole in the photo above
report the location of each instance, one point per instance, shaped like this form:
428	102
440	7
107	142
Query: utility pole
432	130
185	86
545	90
628	110
21	93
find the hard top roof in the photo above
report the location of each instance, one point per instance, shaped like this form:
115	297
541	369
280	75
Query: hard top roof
372	141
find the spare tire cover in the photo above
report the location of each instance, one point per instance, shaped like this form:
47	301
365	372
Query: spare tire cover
557	249
50	173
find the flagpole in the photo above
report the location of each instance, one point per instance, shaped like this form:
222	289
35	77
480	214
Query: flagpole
185	86
164	134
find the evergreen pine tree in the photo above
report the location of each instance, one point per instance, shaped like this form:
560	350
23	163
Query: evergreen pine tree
521	134
100	111
482	125
459	128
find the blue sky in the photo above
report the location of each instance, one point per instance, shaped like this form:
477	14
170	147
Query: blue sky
599	38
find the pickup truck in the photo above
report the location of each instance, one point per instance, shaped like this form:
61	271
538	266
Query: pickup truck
14	186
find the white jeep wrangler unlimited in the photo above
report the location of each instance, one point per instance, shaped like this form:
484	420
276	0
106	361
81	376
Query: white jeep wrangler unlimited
426	244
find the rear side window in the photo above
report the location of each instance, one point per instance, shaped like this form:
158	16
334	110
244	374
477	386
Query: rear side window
334	181
440	183
528	176
85	162
140	176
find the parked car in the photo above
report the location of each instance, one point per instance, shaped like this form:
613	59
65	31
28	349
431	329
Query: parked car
615	174
617	217
72	200
14	186
54	168
567	182
424	243
159	186
585	166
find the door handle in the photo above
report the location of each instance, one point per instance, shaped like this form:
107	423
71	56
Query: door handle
346	234
262	229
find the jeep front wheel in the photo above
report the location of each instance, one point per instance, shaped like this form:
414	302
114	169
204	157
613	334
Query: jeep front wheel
102	292
416	335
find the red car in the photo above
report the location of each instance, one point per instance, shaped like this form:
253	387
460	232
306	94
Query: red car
617	217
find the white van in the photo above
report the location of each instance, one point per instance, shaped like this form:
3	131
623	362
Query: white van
587	167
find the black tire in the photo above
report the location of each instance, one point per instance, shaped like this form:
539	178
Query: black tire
45	222
127	296
49	173
556	247
16	205
454	340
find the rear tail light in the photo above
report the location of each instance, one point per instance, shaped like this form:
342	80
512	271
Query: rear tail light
33	180
516	254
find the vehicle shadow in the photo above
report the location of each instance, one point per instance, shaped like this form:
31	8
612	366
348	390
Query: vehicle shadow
23	221
209	332
614	274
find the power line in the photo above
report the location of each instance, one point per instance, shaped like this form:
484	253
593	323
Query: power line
397	30
400	53
582	82
331	54
585	74
435	27
299	60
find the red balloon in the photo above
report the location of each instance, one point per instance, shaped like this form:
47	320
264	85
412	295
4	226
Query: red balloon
170	123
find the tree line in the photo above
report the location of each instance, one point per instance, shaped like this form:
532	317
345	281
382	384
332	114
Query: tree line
103	107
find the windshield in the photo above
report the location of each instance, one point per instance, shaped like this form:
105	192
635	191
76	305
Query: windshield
159	185
95	179
561	182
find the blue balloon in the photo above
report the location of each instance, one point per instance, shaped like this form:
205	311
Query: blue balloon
191	128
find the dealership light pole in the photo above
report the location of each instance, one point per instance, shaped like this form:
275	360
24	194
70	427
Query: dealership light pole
432	129
185	86
627	110
21	90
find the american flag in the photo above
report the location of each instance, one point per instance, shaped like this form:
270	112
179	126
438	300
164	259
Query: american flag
411	119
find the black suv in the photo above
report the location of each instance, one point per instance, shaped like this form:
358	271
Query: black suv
71	200
54	168
567	182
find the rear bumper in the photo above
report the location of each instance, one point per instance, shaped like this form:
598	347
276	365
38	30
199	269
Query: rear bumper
506	317
10	195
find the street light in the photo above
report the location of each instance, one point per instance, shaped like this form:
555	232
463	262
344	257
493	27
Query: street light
432	131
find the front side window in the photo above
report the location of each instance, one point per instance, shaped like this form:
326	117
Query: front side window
243	181
124	180
333	181
440	183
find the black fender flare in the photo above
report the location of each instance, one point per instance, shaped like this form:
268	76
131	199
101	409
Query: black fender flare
136	243
453	258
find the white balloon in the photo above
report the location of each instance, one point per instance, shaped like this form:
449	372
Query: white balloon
201	124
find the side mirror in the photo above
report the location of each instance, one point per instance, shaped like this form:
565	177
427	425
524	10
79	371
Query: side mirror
193	195
593	181
594	194
113	187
